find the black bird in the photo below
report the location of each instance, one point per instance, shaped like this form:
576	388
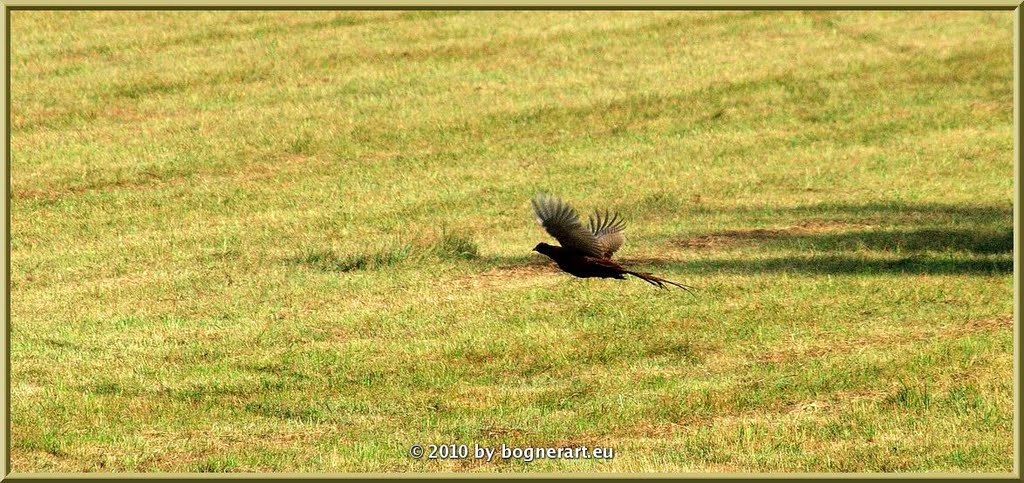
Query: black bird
586	252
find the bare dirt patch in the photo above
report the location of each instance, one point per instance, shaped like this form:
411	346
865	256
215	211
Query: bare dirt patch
518	271
508	275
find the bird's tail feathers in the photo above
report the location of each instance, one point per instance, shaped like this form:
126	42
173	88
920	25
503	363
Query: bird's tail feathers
657	281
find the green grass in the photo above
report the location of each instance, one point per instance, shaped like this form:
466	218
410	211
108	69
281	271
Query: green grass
300	241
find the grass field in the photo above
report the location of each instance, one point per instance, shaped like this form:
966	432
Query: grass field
300	241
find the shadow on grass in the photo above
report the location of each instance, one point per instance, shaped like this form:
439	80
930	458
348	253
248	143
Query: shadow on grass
834	264
870	238
980	241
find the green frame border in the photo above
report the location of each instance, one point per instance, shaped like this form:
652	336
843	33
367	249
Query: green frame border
6	6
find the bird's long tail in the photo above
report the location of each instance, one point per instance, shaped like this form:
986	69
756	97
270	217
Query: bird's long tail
657	281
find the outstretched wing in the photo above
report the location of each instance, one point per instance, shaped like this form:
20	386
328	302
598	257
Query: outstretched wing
561	221
608	232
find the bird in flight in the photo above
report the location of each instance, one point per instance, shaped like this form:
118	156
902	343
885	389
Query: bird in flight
586	252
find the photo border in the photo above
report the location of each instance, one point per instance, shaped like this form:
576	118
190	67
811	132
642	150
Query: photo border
6	6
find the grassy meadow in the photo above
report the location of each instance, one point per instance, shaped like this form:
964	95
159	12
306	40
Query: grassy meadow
300	241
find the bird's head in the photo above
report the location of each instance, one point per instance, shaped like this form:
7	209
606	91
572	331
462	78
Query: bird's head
543	248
